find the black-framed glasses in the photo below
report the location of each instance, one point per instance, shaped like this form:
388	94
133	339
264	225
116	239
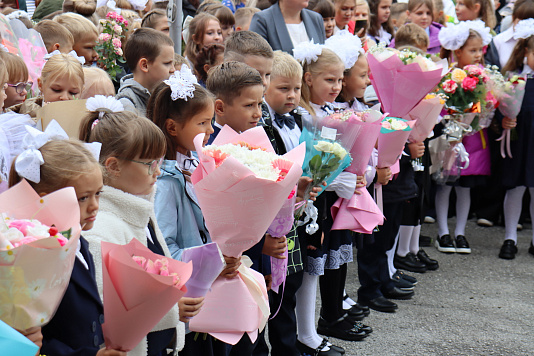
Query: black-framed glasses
152	165
19	87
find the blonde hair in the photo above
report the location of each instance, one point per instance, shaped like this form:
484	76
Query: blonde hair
326	59
17	71
77	25
57	172
82	7
53	32
413	35
3	72
243	15
63	65
438	7
486	13
197	29
97	82
284	65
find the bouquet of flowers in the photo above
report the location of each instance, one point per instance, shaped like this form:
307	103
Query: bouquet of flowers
465	89
402	79
510	97
109	48
426	115
140	287
36	260
393	135
240	190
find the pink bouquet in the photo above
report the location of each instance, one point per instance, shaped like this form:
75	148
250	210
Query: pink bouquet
426	115
393	136
240	196
35	260
140	287
402	79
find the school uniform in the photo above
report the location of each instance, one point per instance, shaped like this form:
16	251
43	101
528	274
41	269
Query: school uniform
76	328
434	46
500	48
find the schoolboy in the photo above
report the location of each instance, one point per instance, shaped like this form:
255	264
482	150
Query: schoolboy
84	33
55	36
243	17
150	56
398	15
412	35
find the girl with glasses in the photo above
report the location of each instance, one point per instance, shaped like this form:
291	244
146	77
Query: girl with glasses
18	85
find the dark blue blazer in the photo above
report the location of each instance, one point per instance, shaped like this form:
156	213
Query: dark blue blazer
76	328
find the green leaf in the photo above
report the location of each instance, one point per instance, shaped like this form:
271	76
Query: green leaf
315	163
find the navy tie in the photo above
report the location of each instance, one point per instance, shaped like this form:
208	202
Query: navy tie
287	120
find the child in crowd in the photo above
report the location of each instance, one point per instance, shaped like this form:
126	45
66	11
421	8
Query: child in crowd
156	19
398	15
55	36
97	82
132	150
380	29
253	50
204	29
223	14
328	11
439	14
411	35
85	35
344	13
470	10
243	17
81	306
518	167
18	85
361	15
179	61
470	52
207	58
177	210
421	12
150	56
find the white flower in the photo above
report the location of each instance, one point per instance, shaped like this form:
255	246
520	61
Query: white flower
324	146
36	287
524	29
397	125
339	151
13	235
38	230
307	52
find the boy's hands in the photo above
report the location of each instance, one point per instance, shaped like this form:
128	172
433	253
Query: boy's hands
417	149
274	246
383	175
189	307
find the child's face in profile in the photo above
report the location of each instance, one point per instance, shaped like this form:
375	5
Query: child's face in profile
198	124
326	85
464	13
470	53
263	65
244	111
59	89
283	94
357	79
162	67
400	20
88	188
86	48
422	16
162	25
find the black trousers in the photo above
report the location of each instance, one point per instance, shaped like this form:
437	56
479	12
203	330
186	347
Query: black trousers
203	344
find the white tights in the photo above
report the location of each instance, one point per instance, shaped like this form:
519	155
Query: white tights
463	203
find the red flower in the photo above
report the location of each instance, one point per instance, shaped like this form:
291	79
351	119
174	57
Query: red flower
449	86
469	84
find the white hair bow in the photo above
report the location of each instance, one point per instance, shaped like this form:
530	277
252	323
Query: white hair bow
347	46
454	37
18	14
103	104
28	163
182	84
112	5
94	148
80	59
524	29
307	52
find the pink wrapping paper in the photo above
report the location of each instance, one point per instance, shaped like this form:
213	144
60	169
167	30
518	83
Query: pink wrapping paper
135	300
34	277
360	213
400	87
391	145
238	209
425	115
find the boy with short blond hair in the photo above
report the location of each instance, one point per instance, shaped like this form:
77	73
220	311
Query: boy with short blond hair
243	17
55	36
150	56
84	33
412	35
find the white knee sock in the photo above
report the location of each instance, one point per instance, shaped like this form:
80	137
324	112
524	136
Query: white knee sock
405	235
463	203
347	303
305	311
414	241
391	255
442	208
513	201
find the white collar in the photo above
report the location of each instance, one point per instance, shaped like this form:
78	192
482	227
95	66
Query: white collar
216	124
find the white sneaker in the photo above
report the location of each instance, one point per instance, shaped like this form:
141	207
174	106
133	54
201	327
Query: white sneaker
429	220
484	222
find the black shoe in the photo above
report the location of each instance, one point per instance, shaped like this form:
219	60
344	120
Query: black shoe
396	293
380	304
364	309
308	351
365	328
445	244
531	249
410	262
508	250
336	329
406	277
355	313
462	246
337	348
401	283
431	264
425	241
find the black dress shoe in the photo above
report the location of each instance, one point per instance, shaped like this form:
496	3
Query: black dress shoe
406	277
380	304
363	308
308	351
410	262
401	283
338	329
361	326
531	249
425	241
396	293
508	250
431	264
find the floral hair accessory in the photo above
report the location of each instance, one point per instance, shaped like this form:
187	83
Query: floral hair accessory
524	29
103	104
347	46
18	14
94	123
454	37
307	52
28	163
182	84
80	59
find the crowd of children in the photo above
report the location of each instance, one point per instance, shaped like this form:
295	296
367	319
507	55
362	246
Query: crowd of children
140	185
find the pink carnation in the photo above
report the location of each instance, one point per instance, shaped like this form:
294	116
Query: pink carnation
386	125
21	225
450	86
62	240
104	37
118	51
473	70
469	83
116	43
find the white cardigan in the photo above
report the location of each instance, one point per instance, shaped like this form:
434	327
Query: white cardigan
121	217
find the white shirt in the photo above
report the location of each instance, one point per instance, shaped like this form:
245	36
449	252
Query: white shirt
504	44
297	33
80	257
290	137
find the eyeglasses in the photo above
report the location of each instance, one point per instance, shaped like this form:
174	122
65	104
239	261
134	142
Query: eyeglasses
152	165
19	87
